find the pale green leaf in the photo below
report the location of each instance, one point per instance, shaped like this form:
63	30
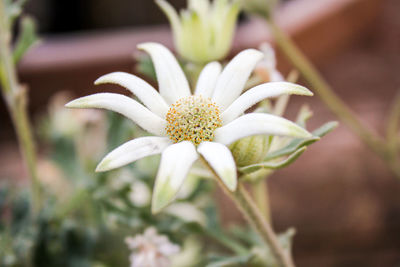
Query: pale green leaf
273	165
26	39
299	143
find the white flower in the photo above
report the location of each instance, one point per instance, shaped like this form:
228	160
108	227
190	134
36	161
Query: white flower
151	249
267	67
204	31
188	125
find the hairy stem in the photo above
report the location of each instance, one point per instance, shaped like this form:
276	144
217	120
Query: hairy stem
16	100
327	95
252	214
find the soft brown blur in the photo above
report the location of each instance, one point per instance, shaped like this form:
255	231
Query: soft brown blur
340	197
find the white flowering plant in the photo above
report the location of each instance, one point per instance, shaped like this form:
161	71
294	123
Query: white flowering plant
150	201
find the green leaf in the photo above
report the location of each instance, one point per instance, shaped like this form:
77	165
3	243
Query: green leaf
304	115
145	66
231	261
13	10
263	256
273	165
292	147
26	39
325	129
296	144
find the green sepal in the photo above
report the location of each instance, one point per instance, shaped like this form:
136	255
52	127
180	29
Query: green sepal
26	39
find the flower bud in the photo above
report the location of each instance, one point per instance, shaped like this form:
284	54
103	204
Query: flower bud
250	150
204	31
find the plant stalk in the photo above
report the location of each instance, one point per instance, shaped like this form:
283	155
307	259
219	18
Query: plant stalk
327	95
392	133
16	100
261	197
252	214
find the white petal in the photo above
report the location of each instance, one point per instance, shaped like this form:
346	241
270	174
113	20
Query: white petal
172	82
125	106
176	161
221	160
207	79
132	151
144	91
233	78
171	13
259	93
258	123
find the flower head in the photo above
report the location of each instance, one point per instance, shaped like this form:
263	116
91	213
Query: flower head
188	125
204	31
151	249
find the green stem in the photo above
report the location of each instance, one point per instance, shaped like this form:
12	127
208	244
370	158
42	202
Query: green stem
261	197
227	242
393	125
252	214
327	95
392	132
16	100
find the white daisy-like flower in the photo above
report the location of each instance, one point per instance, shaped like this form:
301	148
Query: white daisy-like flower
188	125
151	249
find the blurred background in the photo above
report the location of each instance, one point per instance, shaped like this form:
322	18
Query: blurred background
339	196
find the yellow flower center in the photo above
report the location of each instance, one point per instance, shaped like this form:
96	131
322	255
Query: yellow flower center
194	119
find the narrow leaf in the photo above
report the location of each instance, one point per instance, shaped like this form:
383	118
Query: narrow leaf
232	261
145	66
305	114
26	39
293	146
299	143
325	129
273	165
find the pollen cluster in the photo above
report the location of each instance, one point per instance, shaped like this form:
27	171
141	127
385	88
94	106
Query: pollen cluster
194	119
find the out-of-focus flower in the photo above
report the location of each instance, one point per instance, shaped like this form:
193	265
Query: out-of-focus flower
266	68
187	212
140	194
204	31
151	249
187	125
53	180
88	125
70	123
263	8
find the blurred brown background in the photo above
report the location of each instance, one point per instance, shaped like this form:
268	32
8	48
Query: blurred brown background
343	202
